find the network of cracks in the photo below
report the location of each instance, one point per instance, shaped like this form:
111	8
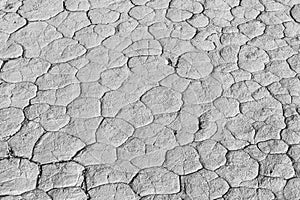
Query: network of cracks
149	99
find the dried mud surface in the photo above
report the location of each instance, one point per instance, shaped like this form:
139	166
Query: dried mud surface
149	99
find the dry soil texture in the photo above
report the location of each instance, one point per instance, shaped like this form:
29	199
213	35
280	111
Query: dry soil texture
150	99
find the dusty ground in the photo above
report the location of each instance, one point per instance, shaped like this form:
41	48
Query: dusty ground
150	99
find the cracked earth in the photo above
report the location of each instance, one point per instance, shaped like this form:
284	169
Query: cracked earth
150	99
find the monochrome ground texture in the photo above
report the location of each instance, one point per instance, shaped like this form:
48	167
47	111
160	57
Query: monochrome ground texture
150	99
